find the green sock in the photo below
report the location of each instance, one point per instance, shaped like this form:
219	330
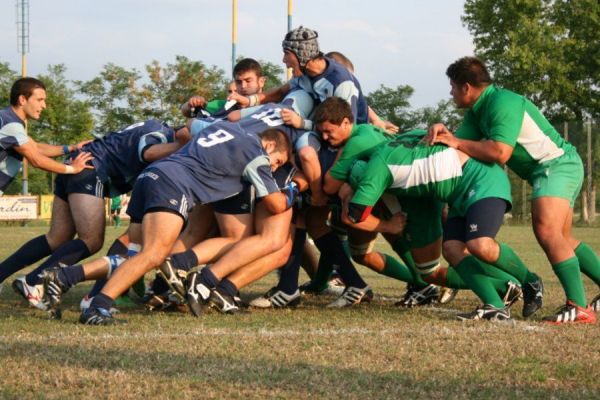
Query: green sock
470	271
324	271
569	276
402	248
589	263
497	274
509	262
395	269
454	281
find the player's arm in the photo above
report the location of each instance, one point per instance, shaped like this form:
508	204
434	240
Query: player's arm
274	95
309	162
484	150
193	102
154	146
387	126
31	152
50	150
332	185
359	216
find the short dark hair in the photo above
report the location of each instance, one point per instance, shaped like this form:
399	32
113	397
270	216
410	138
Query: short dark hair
469	70
246	65
341	59
25	87
333	110
282	142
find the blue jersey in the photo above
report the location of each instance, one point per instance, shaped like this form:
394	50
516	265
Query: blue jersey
217	163
12	133
269	116
336	81
118	156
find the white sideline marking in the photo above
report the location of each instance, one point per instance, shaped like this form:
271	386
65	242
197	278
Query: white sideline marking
482	326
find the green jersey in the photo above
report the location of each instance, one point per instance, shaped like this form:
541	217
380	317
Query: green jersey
363	141
509	118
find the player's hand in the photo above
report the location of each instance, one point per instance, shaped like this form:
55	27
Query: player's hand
80	145
243	101
290	192
396	224
390	127
197	101
291	118
80	162
433	132
447	138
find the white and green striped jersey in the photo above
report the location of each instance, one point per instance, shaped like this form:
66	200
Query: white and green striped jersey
506	117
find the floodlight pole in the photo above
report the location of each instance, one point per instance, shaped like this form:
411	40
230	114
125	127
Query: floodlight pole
233	34
289	23
23	45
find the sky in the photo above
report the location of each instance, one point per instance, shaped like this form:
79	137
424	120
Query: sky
390	42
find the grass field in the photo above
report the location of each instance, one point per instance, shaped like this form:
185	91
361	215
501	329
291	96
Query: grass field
375	351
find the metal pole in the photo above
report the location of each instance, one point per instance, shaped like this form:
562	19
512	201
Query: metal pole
289	28
233	35
23	35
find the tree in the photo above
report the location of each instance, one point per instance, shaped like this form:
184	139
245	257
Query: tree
444	111
112	96
392	104
273	73
546	50
7	78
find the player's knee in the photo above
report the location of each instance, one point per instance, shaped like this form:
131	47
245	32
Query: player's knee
485	249
453	252
361	252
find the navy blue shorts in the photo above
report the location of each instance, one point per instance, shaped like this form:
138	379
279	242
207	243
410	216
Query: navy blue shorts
154	192
483	219
241	203
85	182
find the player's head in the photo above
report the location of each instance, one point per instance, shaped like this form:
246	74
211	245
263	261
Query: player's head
301	102
334	121
248	77
277	145
29	96
468	78
299	47
341	59
231	88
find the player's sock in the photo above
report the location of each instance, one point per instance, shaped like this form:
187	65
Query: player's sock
331	243
395	269
509	262
589	263
288	280
31	252
71	275
469	270
453	279
117	248
114	261
159	285
569	275
324	271
226	287
401	247
69	253
185	260
208	278
102	301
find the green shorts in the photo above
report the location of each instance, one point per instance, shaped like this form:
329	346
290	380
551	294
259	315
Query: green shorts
423	220
561	177
479	181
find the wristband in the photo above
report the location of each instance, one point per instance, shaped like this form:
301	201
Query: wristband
69	169
253	100
65	149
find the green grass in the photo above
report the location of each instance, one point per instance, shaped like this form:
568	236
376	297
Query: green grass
373	351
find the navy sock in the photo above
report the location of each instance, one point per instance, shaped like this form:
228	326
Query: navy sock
208	278
101	301
117	248
29	253
331	244
185	261
72	275
69	253
288	280
226	287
